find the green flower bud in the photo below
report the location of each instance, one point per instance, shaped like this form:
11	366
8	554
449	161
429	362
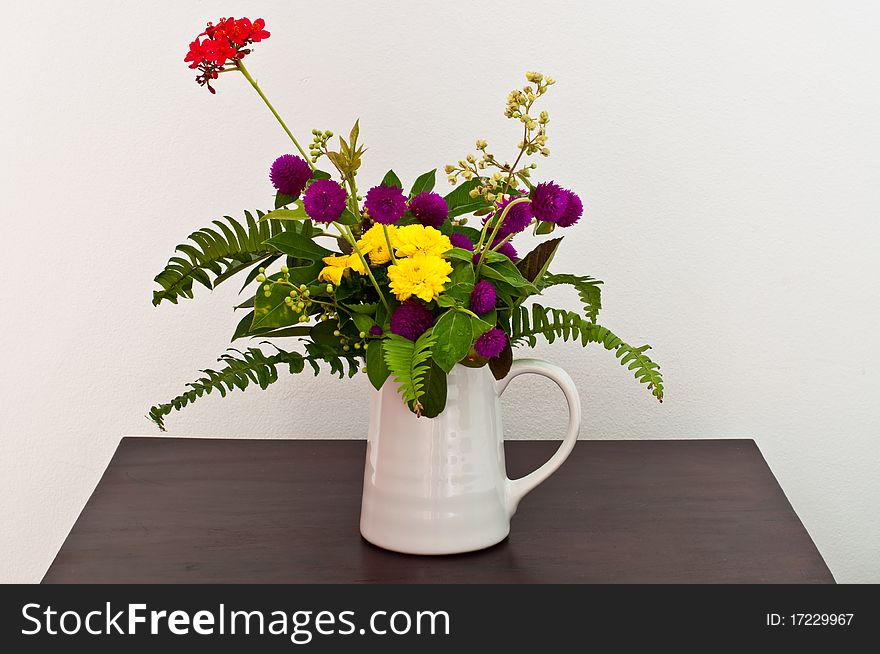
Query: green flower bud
345	348
261	278
330	289
363	334
336	332
285	270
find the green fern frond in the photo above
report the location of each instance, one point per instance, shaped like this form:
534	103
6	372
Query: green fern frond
588	290
408	363
215	254
526	325
244	368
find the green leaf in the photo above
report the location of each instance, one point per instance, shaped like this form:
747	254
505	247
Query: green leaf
535	263
461	283
552	323
377	369
391	179
282	199
369	308
213	255
493	257
459	254
285	332
348	218
298	212
589	290
244	326
363	322
545	228
460	195
272	311
434	399
241	369
424	183
408	363
322	334
355	132
320	174
454	334
297	245
505	271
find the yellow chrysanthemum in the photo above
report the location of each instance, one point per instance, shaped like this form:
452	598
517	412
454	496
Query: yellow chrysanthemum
418	239
334	270
337	266
420	275
354	262
373	243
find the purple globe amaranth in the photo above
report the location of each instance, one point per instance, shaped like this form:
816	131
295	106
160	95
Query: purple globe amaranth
574	209
324	201
483	297
508	251
491	343
385	204
461	241
411	319
517	219
429	209
375	330
289	174
548	201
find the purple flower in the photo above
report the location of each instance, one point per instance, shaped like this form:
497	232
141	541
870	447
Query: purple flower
508	251
385	204
516	220
289	174
324	201
548	201
574	209
429	209
461	241
411	319
491	343
375	330
483	297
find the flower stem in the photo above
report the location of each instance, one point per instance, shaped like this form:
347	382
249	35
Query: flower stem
348	236
495	230
388	242
247	76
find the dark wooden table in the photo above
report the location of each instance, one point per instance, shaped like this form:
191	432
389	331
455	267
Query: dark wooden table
187	510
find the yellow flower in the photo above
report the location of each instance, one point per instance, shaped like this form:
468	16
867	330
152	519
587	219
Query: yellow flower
332	273
421	275
413	239
373	243
338	266
354	262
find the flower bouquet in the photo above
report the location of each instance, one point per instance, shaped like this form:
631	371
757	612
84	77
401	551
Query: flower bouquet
391	280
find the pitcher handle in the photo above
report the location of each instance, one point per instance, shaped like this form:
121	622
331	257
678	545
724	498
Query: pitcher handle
518	488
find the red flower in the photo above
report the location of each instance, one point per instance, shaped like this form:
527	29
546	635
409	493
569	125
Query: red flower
195	54
258	33
224	42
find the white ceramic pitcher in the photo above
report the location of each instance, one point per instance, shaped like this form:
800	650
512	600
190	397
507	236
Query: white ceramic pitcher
439	485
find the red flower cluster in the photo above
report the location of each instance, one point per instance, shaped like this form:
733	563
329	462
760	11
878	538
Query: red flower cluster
225	41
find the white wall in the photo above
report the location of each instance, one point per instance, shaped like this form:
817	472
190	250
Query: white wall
729	153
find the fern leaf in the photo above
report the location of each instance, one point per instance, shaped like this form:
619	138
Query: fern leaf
408	363
242	369
552	323
213	255
589	290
